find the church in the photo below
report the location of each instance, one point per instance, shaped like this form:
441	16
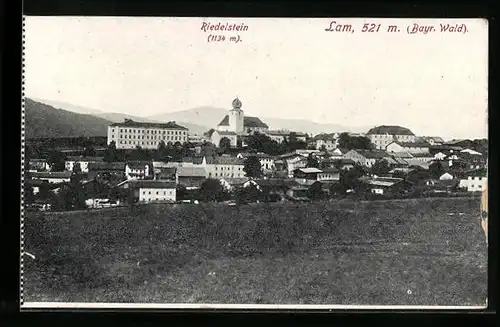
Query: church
236	124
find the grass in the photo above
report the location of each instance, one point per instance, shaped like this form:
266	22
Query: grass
413	252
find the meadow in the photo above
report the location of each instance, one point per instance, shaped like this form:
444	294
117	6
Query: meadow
399	252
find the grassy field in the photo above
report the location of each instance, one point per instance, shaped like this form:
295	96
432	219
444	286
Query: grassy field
407	252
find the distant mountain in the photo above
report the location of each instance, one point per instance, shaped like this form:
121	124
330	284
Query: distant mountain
42	120
69	107
116	117
211	117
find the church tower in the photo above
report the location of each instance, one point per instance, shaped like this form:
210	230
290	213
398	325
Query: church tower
236	117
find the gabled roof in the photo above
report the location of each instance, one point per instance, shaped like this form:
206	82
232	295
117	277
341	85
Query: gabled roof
381	181
330	170
106	166
151	184
224	121
253	122
372	154
191	172
403	155
390	129
138	165
310	170
413	144
84	159
436	139
224	160
225	133
51	174
131	123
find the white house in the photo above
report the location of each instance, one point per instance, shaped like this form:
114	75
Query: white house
446	177
474	180
366	158
83	161
280	135
152	190
266	161
138	170
52	177
411	147
329	175
293	161
381	136
216	136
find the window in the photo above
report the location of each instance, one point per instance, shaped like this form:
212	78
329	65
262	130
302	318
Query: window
156	192
149	192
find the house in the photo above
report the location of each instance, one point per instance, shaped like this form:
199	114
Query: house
223	166
83	161
165	173
307	176
471	152
329	175
306	152
385	185
422	157
216	136
38	185
345	164
297	193
266	161
446	176
232	183
281	135
433	140
291	162
38	165
152	190
139	170
382	136
191	177
463	143
418	163
326	141
54	177
440	156
474	180
442	186
366	158
410	147
106	169
236	121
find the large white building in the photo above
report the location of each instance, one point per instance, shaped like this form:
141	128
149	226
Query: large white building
131	134
382	136
152	190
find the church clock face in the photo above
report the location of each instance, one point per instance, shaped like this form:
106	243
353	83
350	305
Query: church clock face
237	103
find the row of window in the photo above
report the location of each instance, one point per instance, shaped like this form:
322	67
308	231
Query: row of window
158	192
148	131
224	175
227	168
169	138
156	143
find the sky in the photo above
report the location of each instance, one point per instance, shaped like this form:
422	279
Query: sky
434	83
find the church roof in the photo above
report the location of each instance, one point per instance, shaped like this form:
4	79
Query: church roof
247	122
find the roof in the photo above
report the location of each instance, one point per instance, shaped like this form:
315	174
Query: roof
82	158
107	166
404	155
346	161
479	172
151	184
423	155
372	154
413	144
414	162
224	133
224	161
191	172
390	129
469	151
131	123
400	161
247	122
390	161
51	174
324	137
330	170
436	139
235	180
381	181
259	155
310	170
138	165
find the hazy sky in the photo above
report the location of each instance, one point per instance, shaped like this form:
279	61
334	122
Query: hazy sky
435	84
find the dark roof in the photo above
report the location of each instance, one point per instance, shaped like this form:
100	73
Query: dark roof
225	161
253	122
226	132
51	174
479	172
191	172
324	137
138	165
131	123
372	154
285	133
82	158
107	166
413	144
435	139
390	129
151	184
257	155
224	121
346	161
330	170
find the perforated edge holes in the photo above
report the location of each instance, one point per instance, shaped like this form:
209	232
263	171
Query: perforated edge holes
21	270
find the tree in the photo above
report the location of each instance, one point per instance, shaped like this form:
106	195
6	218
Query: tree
354	142
258	142
349	179
252	167
380	167
436	170
181	192
249	194
111	154
211	190
89	151
323	148
56	160
315	191
225	143
312	161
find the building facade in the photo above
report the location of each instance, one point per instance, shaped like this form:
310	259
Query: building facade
238	123
83	161
131	134
382	136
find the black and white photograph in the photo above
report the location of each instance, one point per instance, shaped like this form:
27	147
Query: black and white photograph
208	162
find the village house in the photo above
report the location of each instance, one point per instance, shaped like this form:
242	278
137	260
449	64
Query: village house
329	175
107	169
385	185
165	173
38	165
230	184
83	161
54	177
216	136
422	157
382	136
307	176
410	147
297	193
223	166
273	186
191	177
139	170
433	140
327	141
281	135
148	191
474	180
366	158
266	161
442	185
291	162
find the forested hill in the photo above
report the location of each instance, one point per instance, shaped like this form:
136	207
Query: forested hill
46	121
